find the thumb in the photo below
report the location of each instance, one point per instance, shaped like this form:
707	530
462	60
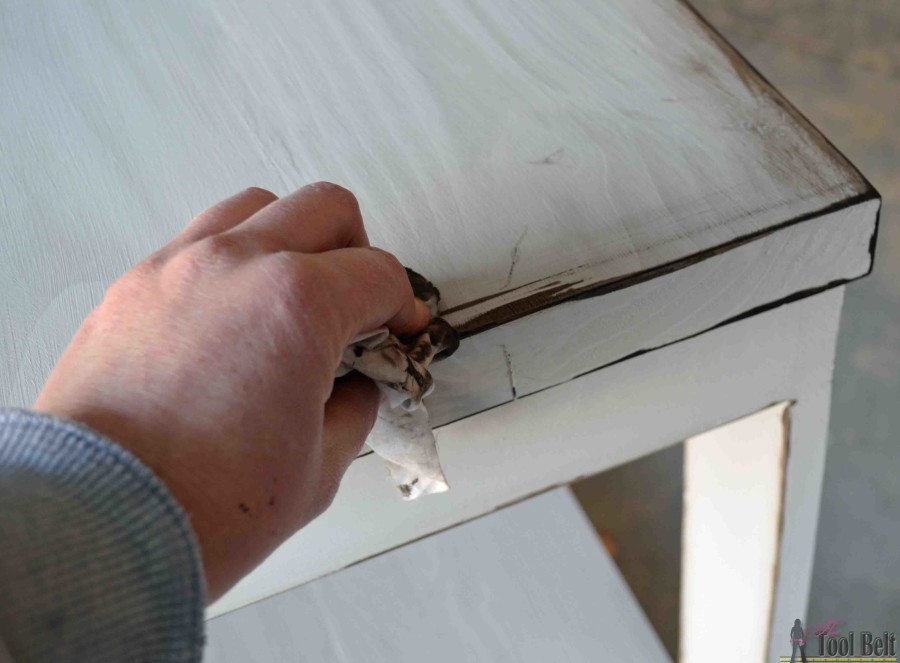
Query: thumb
349	416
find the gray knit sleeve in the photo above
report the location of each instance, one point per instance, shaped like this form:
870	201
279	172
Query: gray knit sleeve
98	562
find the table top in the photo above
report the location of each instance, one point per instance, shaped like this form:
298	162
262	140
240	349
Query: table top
516	153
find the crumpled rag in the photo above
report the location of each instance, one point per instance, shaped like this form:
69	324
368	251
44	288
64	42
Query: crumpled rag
402	434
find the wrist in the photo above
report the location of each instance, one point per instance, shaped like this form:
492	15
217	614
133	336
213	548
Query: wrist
127	433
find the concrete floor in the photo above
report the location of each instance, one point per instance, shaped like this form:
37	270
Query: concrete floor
838	61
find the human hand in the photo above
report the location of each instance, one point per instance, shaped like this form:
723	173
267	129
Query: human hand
213	360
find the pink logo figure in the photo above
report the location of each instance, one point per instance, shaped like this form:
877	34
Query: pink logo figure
798	640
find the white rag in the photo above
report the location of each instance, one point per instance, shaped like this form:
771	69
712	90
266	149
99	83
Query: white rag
402	434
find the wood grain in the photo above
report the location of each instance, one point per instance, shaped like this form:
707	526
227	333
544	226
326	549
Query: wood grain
528	583
557	344
493	146
589	424
584	180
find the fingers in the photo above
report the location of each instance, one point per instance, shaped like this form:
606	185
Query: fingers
318	217
225	215
349	416
368	288
321	224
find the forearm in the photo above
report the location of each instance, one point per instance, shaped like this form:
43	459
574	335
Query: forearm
97	560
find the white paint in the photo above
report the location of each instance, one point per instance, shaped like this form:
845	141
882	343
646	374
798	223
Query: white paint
585	426
609	134
734	480
530	583
589	139
556	344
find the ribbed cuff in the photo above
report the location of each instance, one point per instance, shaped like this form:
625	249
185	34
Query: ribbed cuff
98	562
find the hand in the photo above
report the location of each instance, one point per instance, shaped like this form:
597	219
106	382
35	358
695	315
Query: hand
213	362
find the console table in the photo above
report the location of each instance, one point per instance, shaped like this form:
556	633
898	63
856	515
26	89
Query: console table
638	236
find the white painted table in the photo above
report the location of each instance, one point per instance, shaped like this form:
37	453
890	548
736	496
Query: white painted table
639	237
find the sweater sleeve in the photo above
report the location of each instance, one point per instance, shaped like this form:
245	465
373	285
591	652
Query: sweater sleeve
98	562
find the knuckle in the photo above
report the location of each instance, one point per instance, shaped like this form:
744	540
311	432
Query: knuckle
295	284
390	261
394	270
258	192
335	193
148	268
127	287
204	255
135	285
296	273
154	262
219	247
140	274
